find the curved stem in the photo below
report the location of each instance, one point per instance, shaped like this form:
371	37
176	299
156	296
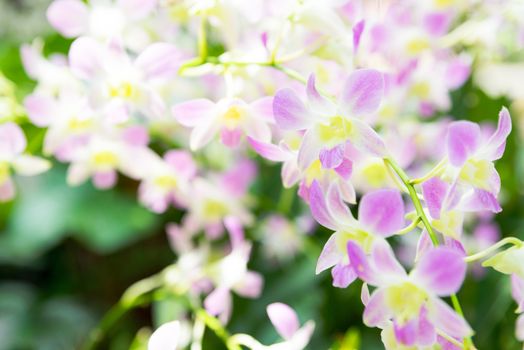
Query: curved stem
508	240
437	170
410	227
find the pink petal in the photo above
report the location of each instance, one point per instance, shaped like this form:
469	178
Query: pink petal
309	149
194	112
343	275
497	142
263	108
231	138
337	209
251	285
85	57
218	303
434	191
376	313
426	330
159	60
332	158
441	270
12	140
182	162
360	263
357	33
329	256
40	109
382	211
202	134
7	190
366	139
480	200
136	135
137	8
448	321
462	140
268	150
319	207
384	259
68	17
345	169
406	334
284	318
362	92
104	180
236	231
290	174
316	101
289	111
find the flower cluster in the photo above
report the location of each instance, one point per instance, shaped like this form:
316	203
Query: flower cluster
179	96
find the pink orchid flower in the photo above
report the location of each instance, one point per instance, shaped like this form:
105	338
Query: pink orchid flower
287	324
230	117
167	181
231	274
330	126
471	160
122	85
99	18
412	301
219	201
517	291
12	145
381	214
101	157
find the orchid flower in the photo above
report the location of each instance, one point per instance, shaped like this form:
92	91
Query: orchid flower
230	117
517	291
509	261
330	126
221	199
119	84
12	158
471	166
286	322
102	156
381	214
412	301
166	180
165	337
102	19
231	274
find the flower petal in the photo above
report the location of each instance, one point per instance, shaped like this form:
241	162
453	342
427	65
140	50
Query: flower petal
448	321
365	139
332	158
268	150
497	142
382	211
68	17
316	101
165	337
284	318
289	111
329	256
85	57
12	140
434	191
30	165
40	109
360	263
194	112
376	313
343	275
137	8
384	259
159	60
362	92
462	140
319	208
441	270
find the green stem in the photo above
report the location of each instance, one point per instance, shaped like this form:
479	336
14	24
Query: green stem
414	198
215	325
202	39
508	240
410	227
437	170
285	202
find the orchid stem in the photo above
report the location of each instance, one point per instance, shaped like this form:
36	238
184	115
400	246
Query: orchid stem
410	227
437	170
508	240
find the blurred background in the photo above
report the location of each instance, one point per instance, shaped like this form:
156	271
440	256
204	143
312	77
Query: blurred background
68	254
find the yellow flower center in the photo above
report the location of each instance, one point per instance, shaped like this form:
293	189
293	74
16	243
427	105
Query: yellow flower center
449	223
337	130
233	116
124	90
421	89
405	300
477	173
214	209
76	124
375	174
105	159
313	172
166	182
417	45
4	172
